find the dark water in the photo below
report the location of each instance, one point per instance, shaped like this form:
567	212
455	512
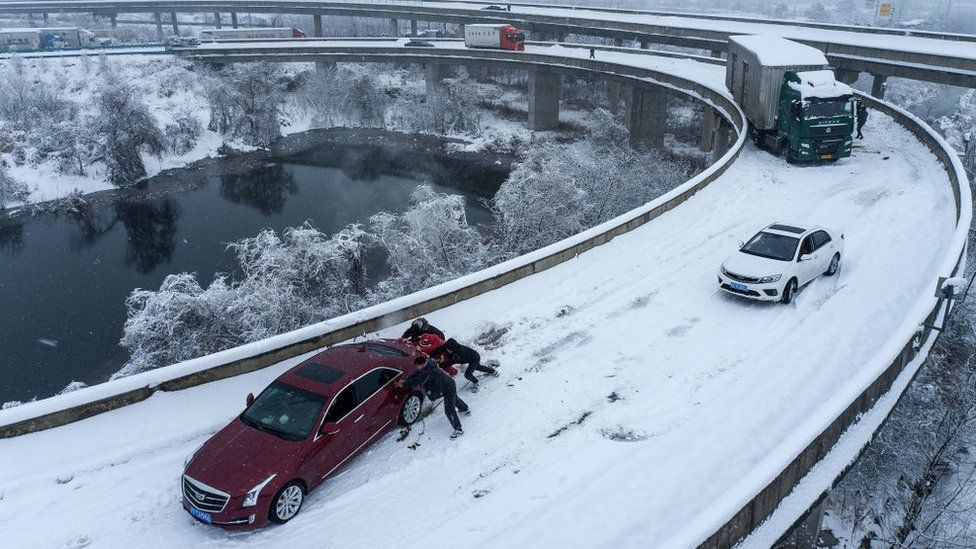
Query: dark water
64	277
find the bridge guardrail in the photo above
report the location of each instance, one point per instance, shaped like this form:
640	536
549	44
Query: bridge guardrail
90	401
890	361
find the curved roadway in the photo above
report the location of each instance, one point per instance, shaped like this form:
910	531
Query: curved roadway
638	406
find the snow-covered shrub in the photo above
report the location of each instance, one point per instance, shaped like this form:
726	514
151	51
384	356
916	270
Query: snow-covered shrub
303	277
178	322
539	203
74	147
429	243
182	134
124	128
451	109
286	282
27	102
10	188
554	190
246	103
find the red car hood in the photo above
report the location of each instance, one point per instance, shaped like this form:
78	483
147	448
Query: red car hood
239	457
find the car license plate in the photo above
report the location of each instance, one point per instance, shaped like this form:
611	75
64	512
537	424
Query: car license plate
737	286
826	156
200	515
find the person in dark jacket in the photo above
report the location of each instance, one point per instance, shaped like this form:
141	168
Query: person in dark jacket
452	352
862	117
418	328
436	383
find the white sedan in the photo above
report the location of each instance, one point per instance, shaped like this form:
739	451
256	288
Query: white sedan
779	260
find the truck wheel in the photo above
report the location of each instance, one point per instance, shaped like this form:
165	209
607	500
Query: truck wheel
790	159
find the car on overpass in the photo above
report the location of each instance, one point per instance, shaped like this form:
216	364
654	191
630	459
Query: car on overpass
418	44
301	428
779	260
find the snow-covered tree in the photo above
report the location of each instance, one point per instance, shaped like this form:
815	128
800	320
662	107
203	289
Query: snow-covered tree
430	242
539	203
246	102
124	128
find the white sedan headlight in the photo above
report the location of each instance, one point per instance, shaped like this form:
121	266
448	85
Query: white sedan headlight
771	278
251	498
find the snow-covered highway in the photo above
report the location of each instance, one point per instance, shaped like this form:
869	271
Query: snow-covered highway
636	400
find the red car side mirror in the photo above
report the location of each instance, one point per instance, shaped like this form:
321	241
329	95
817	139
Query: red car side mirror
329	428
250	398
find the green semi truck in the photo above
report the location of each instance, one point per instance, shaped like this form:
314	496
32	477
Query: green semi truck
795	105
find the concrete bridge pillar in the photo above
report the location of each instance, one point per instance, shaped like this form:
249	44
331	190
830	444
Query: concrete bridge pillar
614	97
618	42
846	76
159	25
545	89
233	19
435	74
216	20
317	26
44	15
644	44
879	85
114	18
716	54
710	123
394	28
176	25
648	117
560	37
460	31
722	132
413	27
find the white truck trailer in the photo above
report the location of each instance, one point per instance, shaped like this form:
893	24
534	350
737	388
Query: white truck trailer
794	104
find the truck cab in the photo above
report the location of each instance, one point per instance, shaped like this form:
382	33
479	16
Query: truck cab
816	117
794	104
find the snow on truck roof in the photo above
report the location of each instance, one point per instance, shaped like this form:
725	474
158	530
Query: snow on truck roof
774	51
820	84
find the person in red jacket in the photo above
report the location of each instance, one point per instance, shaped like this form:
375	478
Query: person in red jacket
451	352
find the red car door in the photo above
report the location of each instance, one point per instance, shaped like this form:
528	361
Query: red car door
332	449
381	399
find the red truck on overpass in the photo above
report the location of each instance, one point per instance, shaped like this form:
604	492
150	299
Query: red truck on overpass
504	37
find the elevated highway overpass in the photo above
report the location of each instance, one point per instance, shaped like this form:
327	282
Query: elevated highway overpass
937	57
729	419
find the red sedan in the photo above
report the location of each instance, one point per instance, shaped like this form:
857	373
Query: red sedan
301	428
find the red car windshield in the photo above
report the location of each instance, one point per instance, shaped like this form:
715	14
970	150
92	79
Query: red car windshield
284	411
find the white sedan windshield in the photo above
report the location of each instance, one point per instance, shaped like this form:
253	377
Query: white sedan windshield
772	246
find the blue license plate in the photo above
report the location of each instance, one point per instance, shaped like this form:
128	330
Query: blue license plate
200	515
737	286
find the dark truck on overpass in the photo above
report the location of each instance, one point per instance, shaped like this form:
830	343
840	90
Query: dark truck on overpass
794	104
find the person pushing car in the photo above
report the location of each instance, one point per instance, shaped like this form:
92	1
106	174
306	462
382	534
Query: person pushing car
437	383
451	352
418	328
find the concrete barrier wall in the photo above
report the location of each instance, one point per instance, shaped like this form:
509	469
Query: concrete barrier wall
91	401
766	500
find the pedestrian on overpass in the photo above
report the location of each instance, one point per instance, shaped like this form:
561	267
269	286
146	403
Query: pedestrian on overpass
592	53
862	117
